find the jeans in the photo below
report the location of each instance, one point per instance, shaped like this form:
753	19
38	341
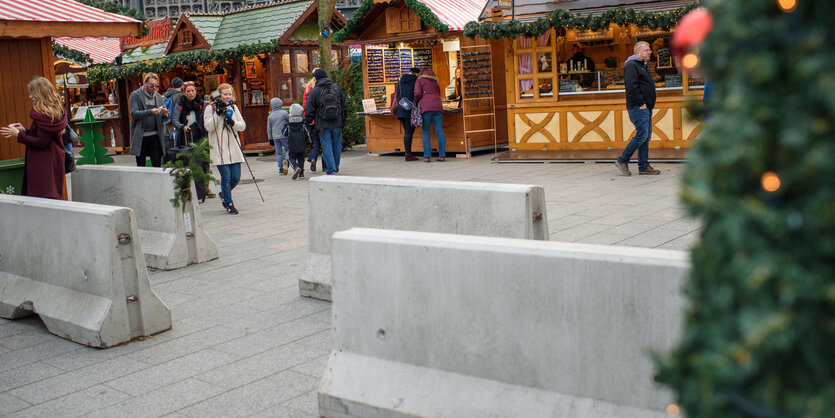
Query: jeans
282	145
331	140
434	119
68	147
642	119
230	175
296	160
408	131
314	153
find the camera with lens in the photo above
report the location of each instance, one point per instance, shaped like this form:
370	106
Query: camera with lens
223	108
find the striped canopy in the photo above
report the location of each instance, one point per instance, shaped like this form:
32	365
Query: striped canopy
102	50
456	13
57	11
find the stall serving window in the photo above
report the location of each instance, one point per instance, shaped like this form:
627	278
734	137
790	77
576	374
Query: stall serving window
297	65
534	64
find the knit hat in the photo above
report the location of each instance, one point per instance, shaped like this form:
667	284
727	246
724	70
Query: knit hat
319	74
177	82
415	70
296	109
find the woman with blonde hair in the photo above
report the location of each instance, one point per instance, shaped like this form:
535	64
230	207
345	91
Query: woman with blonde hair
44	171
222	120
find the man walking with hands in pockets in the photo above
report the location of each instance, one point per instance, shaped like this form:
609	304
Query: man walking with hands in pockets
640	99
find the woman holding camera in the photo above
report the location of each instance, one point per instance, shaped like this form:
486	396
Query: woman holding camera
43	174
222	120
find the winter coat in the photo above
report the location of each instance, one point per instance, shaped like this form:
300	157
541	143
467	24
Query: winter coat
138	112
406	88
43	175
296	121
277	120
179	119
428	93
640	89
226	147
313	106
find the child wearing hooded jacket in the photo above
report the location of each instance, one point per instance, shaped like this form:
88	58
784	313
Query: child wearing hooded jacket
276	123
298	137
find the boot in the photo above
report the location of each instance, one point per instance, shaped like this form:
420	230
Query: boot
411	157
313	165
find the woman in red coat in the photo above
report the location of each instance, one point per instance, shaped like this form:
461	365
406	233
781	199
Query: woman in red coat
428	96
44	173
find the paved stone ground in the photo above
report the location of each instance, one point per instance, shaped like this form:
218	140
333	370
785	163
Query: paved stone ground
243	341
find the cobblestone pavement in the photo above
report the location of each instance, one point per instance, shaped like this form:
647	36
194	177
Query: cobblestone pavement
243	341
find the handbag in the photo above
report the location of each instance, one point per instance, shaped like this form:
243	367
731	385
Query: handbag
417	120
393	101
69	161
405	103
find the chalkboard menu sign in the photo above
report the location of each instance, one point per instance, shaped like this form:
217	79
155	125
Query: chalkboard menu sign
672	80
423	58
378	93
664	58
391	60
375	65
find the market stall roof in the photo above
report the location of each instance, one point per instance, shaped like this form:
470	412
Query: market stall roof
47	18
593	7
143	53
456	13
101	50
251	25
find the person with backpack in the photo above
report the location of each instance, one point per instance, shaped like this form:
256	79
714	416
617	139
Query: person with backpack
428	97
328	108
171	100
276	123
406	90
317	146
297	138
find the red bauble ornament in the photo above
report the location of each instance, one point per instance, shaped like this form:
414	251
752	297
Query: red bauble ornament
691	30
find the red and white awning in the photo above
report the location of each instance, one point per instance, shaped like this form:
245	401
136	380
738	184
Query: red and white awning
456	13
57	11
101	50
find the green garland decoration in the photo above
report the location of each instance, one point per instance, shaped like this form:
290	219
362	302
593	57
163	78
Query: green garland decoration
189	59
74	55
560	18
184	174
426	16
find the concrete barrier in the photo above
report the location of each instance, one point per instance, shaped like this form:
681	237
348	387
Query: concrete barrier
486	209
171	237
78	266
460	326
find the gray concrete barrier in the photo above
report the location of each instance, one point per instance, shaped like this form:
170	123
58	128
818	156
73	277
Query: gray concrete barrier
78	266
171	237
486	209
432	324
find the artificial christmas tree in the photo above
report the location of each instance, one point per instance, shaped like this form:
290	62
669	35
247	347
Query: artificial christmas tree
93	152
760	331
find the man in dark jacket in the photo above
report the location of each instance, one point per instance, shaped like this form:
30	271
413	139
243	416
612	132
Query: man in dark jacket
327	106
640	99
406	90
148	117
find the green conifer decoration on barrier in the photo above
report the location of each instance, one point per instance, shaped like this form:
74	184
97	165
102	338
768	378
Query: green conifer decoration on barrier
760	327
93	152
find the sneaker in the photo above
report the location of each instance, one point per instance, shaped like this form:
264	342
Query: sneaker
624	168
649	170
231	209
284	172
426	160
441	159
313	165
296	173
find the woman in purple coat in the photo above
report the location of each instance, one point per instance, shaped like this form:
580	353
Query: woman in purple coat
428	96
44	171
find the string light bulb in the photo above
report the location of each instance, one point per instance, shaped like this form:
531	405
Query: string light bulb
770	181
690	61
787	5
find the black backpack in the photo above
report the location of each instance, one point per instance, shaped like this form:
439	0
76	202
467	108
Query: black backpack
297	136
330	107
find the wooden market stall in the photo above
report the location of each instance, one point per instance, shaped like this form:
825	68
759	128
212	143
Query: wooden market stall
26	31
78	94
257	78
395	37
566	93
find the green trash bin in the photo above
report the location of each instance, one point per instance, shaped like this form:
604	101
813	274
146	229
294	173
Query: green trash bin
11	175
